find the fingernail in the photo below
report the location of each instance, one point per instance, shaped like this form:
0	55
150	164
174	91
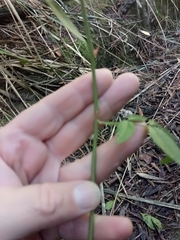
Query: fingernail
87	196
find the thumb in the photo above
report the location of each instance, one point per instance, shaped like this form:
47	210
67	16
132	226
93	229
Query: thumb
35	207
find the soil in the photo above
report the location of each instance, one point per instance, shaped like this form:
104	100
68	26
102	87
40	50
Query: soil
142	185
145	178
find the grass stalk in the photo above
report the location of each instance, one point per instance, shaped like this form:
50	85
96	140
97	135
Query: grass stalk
96	110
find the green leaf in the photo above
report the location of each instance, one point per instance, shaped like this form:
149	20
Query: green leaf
137	118
153	123
64	19
109	205
166	160
152	222
165	141
22	62
125	130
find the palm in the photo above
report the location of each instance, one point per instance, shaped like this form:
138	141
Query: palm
35	143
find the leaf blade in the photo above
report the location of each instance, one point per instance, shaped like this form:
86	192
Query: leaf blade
60	14
166	160
137	118
109	205
165	141
125	130
151	221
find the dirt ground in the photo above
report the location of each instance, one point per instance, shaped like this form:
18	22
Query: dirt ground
142	184
142	176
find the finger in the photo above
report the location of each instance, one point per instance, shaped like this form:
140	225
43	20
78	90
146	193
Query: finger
7	176
109	156
36	207
106	228
45	118
79	129
36	236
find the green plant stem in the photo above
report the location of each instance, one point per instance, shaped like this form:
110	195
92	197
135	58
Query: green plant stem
96	111
93	176
108	123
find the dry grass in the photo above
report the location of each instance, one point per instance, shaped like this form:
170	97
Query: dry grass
38	55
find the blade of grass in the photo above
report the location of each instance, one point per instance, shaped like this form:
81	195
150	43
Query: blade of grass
61	15
72	28
14	14
96	111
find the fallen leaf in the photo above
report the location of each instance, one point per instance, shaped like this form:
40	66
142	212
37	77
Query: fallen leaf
140	111
155	167
57	51
148	176
117	70
95	51
145	157
145	32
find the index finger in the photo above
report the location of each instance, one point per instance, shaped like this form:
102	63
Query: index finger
46	118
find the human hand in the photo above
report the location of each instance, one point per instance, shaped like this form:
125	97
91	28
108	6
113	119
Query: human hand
37	194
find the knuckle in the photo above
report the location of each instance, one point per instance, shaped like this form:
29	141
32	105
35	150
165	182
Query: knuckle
47	201
18	143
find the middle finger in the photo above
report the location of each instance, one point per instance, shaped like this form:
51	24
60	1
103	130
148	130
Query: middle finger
109	156
76	132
